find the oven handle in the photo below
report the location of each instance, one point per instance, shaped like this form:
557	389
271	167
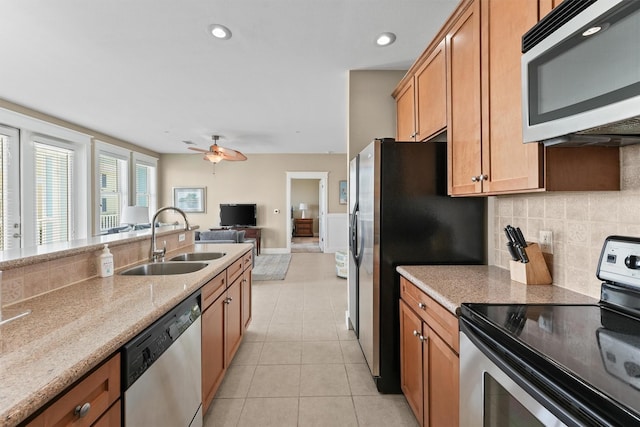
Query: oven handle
476	336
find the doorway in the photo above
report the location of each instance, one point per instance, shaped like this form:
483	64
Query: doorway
306	201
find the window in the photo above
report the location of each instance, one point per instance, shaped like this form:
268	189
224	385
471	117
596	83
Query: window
145	181
54	189
113	171
9	189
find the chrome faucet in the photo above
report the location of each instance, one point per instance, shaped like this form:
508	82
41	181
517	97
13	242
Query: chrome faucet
156	254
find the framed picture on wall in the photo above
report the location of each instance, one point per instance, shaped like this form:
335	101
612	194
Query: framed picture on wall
343	192
190	199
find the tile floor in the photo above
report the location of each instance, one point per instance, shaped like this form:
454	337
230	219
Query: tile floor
298	364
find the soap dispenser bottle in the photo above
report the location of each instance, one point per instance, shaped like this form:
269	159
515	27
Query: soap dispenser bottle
105	263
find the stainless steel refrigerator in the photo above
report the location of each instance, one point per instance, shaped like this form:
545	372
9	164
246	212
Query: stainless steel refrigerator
401	215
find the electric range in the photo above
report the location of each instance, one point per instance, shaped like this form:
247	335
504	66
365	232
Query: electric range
557	364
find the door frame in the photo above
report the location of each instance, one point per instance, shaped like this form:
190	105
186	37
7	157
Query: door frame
322	200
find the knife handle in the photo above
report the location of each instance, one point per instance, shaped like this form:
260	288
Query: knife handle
520	236
512	251
523	255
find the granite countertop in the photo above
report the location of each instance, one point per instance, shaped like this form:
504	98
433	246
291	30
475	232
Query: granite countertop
451	285
72	329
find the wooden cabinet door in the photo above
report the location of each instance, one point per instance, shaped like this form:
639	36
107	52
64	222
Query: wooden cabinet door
508	164
547	5
441	367
405	114
463	103
213	350
411	375
246	297
233	320
431	95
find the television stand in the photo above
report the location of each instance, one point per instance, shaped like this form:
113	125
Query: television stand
249	232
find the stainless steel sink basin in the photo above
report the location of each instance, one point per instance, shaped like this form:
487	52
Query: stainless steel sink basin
198	256
164	268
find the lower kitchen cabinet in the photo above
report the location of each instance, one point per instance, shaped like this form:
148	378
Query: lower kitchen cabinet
226	310
246	294
94	401
429	360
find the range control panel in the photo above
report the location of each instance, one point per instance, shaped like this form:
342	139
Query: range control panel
620	261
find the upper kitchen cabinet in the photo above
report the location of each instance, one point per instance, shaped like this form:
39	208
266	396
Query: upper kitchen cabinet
406	113
547	5
431	95
464	147
486	154
421	99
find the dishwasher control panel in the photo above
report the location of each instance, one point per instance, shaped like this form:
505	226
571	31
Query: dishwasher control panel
143	350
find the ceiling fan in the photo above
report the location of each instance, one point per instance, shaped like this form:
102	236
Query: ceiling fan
215	153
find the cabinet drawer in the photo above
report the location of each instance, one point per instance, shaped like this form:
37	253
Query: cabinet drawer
112	417
99	390
247	260
213	289
234	271
436	316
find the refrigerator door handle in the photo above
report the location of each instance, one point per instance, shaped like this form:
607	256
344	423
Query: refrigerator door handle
354	235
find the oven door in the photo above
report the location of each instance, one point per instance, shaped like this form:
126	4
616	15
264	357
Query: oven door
492	395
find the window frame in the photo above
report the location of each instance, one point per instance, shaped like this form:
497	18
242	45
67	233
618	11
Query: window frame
152	162
121	154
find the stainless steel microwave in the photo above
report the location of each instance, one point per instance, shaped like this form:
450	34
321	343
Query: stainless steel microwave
581	74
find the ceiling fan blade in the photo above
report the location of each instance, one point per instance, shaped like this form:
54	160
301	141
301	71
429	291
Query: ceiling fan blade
232	155
198	149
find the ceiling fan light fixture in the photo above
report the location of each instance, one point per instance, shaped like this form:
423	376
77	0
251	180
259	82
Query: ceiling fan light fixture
220	31
213	157
385	39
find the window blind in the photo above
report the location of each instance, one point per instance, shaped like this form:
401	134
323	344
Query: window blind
3	218
54	171
111	190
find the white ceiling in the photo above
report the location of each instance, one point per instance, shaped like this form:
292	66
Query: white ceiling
148	71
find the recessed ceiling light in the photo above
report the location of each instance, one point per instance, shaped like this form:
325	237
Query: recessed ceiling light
385	39
220	31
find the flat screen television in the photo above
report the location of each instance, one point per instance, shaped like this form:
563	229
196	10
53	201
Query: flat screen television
232	215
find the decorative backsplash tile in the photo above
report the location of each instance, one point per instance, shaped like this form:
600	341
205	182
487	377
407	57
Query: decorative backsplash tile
580	221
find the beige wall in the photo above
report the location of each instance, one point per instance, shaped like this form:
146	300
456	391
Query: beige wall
262	179
372	109
580	221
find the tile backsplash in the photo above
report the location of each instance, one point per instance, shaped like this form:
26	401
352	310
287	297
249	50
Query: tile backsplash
580	221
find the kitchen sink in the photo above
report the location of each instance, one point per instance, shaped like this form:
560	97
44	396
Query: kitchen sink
164	268
198	256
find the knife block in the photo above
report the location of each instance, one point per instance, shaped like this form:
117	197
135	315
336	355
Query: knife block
534	272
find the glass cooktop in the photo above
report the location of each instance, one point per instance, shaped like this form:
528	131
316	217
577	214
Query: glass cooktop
589	343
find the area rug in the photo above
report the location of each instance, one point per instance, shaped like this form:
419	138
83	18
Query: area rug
271	267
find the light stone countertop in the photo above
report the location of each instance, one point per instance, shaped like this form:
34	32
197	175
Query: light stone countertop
451	285
72	329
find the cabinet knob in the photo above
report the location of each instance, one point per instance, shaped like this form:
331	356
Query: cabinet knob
415	333
422	338
82	410
228	300
475	178
483	178
422	306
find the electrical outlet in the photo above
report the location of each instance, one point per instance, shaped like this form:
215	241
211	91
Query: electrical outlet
546	241
181	237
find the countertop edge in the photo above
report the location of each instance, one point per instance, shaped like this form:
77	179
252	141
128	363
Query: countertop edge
30	403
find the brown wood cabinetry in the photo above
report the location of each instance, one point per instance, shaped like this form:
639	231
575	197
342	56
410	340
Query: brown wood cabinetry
431	95
303	227
406	113
463	103
93	401
421	102
226	312
246	290
429	361
485	152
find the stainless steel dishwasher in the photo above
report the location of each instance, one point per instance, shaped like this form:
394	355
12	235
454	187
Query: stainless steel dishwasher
161	374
